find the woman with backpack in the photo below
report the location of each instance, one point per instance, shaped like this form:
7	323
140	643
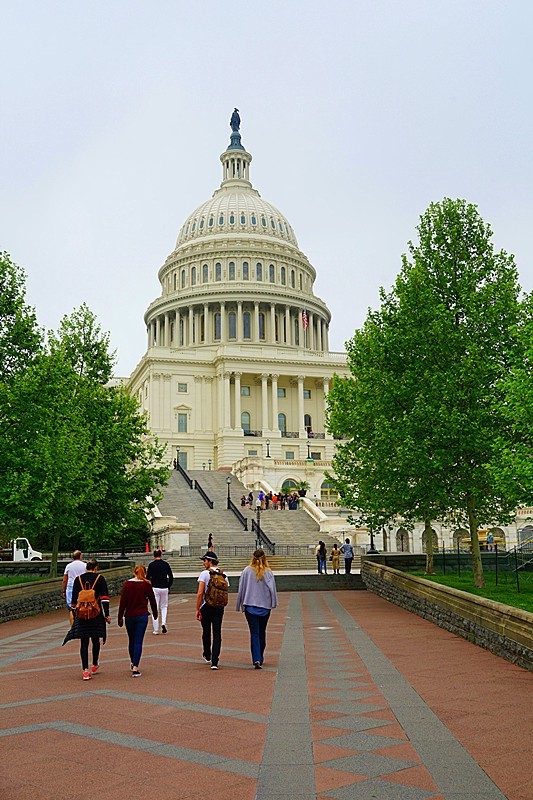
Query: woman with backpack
211	598
257	597
136	593
90	606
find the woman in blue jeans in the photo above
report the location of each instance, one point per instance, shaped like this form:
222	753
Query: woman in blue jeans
257	597
134	598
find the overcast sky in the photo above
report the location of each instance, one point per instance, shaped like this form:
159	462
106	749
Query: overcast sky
358	114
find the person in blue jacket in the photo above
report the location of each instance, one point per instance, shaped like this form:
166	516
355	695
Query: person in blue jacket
257	597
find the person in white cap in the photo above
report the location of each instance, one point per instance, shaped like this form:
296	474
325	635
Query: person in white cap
210	615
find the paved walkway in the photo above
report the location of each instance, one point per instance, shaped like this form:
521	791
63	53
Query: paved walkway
358	699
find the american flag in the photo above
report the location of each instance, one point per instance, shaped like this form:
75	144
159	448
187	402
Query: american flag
305	320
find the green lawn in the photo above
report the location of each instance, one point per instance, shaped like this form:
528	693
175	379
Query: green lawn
505	592
9	580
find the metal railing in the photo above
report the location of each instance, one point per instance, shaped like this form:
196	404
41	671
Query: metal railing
184	474
240	516
201	491
252	433
262	538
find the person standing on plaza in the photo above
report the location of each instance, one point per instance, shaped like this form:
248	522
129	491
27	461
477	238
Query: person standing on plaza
321	555
160	576
347	549
93	629
209	615
72	570
136	593
335	559
257	597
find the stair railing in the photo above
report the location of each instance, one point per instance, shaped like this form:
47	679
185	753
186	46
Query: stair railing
203	494
242	519
262	538
184	475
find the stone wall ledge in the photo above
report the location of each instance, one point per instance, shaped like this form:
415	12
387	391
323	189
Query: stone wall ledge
502	629
37	597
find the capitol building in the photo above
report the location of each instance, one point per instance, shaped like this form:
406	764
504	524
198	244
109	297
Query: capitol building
238	367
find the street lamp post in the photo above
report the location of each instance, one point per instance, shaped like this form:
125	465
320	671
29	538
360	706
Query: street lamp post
123	554
308	450
209	462
372	549
228	482
268	448
203	466
177	455
258	514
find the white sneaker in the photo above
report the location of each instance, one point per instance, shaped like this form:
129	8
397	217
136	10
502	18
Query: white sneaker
156	633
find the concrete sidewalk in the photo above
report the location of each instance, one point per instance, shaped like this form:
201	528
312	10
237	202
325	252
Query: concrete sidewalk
357	699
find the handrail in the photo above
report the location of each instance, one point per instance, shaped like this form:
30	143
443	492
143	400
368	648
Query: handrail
184	474
263	538
203	493
242	519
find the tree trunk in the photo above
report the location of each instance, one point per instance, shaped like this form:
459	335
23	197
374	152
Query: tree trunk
55	551
477	564
428	538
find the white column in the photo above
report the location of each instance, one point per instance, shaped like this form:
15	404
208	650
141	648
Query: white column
223	322
191	318
301	427
227	401
206	324
255	337
237	404
198	422
288	325
311	331
326	337
167	329
209	405
239	321
166	402
264	402
272	323
177	318
319	333
274	425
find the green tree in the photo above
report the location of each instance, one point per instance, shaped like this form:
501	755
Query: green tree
20	337
433	357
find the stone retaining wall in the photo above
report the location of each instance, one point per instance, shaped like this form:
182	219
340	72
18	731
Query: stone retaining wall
505	631
37	597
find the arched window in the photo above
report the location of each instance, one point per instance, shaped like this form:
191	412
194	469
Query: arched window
263	222
283	276
293	279
211	221
272	224
272	273
308	423
232	270
221	219
434	539
183	279
232	325
193	226
232	219
259	271
181	333
261	325
328	491
193	276
254	220
289	486
402	540
216	320
282	423
205	273
245	421
201	224
301	282
245	271
202	328
247	325
243	219
218	271
175	281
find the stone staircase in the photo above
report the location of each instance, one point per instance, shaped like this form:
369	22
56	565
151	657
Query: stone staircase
232	564
290	528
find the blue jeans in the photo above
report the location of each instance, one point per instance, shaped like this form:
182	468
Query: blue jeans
258	626
322	565
136	627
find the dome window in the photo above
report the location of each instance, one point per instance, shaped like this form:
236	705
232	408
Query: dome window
259	271
245	271
205	273
217	326
211	221
263	222
247	325
272	224
243	219
201	226
218	271
283	276
183	279
193	276
232	325
281	227
254	219
187	229
232	270
293	279
194	226
232	219
261	326
221	219
272	273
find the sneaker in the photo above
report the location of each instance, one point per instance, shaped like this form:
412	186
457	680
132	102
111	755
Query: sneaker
94	669
86	675
156	633
207	660
214	666
135	673
257	665
164	628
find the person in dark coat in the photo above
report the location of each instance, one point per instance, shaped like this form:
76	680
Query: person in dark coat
136	593
90	630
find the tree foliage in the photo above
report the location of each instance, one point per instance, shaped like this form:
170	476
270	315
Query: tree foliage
20	337
422	409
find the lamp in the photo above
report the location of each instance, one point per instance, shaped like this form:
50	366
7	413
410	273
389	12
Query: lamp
268	448
209	462
308	450
372	549
203	466
177	456
228	483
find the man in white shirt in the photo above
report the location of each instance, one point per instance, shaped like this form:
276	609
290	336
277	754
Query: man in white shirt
210	617
72	570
